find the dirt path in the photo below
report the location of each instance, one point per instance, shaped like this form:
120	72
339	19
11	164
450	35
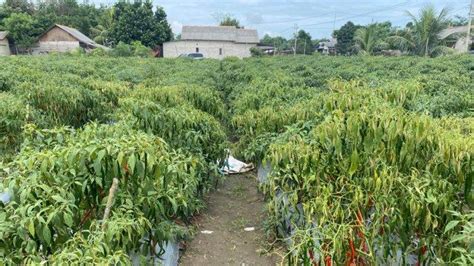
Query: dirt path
234	206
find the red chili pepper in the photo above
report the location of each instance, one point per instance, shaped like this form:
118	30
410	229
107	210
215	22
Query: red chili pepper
311	256
352	254
423	250
327	261
125	168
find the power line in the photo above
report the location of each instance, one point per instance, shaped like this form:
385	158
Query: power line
359	15
349	17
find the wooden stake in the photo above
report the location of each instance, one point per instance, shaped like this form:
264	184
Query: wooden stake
110	200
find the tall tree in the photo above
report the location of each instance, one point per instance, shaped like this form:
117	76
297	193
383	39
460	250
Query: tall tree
21	28
68	12
304	44
19	6
458	21
421	36
371	38
278	42
366	39
137	22
345	38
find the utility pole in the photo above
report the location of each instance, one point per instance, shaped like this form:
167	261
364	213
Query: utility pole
296	39
469	25
304	49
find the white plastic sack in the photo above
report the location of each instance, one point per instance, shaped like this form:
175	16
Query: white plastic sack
234	166
170	256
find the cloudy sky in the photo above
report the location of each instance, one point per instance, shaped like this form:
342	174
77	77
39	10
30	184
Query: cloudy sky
278	17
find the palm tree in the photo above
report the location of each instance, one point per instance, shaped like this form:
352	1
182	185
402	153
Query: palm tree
421	36
367	39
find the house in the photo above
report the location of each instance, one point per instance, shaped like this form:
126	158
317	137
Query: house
4	45
327	47
213	42
61	39
459	38
267	49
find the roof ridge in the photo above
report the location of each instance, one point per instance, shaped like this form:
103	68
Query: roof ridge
219	33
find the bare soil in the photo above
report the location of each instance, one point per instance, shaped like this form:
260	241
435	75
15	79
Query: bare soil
235	205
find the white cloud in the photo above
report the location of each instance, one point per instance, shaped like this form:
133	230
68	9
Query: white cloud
176	26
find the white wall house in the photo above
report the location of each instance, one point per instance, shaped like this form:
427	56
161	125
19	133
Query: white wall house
4	46
213	42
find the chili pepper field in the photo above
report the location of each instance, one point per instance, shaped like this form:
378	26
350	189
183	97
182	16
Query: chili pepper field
370	159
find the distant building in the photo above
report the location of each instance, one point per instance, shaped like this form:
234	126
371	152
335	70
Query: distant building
327	47
213	42
460	39
62	39
267	49
4	45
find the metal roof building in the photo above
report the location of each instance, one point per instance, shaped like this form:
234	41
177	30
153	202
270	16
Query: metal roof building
213	42
60	38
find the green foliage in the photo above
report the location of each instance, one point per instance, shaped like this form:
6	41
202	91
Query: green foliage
229	20
256	52
345	38
137	22
370	156
122	49
135	49
421	36
70	183
304	45
278	42
21	29
14	115
126	22
371	38
140	50
163	143
183	127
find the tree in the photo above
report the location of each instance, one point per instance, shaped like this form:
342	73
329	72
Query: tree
316	42
21	28
421	36
458	21
256	52
345	38
137	22
19	6
100	33
304	45
366	39
371	38
229	20
278	42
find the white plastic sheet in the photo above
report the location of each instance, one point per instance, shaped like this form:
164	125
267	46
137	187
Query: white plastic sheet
234	166
170	256
5	197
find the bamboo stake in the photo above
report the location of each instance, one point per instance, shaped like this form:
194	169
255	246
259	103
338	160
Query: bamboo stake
110	200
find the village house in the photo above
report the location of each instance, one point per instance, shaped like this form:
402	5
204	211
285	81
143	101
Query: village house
458	34
327	47
4	45
62	39
213	42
